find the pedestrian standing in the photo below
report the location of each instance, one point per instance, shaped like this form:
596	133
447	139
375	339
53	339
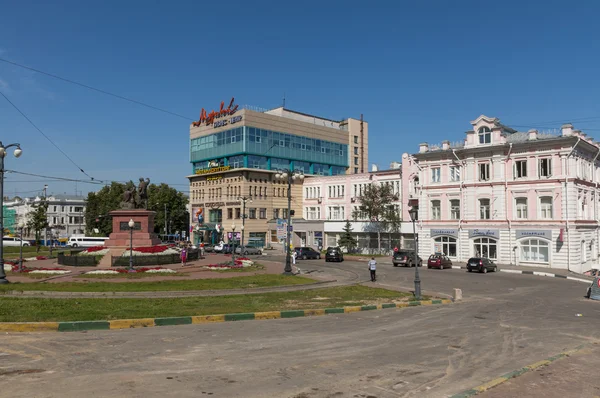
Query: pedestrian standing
183	255
373	268
294	254
202	249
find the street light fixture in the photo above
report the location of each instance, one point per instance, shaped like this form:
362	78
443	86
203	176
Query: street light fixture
131	226
244	200
414	213
17	154
233	244
289	176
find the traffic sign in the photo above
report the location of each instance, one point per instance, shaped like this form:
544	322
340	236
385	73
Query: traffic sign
290	228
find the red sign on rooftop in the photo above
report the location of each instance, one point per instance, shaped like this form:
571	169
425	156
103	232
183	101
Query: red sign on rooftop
210	118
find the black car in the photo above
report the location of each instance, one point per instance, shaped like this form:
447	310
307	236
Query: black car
481	264
406	258
306	253
334	254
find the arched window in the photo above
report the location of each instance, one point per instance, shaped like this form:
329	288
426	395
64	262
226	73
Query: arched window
485	135
535	250
485	247
446	245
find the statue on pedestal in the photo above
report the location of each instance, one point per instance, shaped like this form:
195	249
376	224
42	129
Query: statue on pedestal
136	200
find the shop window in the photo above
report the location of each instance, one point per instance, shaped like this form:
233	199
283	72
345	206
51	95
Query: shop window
535	250
446	245
485	247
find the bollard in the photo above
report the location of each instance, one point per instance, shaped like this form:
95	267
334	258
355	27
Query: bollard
457	294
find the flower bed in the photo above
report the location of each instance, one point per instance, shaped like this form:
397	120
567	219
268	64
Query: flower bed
239	263
94	251
145	251
10	266
155	270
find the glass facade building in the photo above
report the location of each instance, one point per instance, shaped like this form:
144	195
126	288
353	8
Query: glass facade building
251	147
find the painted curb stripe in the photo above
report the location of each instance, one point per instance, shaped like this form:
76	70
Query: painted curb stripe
131	323
495	382
29	327
198	319
578	279
512	271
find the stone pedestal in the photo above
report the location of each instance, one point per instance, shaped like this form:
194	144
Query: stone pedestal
143	232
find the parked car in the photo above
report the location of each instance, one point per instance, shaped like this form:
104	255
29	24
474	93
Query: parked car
481	264
227	249
406	258
306	253
10	241
334	254
248	250
440	261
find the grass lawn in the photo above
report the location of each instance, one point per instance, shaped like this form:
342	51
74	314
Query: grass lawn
28	275
37	310
241	282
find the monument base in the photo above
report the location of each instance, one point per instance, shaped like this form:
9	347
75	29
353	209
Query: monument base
143	230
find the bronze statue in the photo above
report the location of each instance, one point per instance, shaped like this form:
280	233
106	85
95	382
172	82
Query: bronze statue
143	193
128	199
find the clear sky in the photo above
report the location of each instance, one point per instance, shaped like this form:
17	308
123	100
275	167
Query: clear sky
417	70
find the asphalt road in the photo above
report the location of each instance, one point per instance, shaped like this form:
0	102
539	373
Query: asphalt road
506	321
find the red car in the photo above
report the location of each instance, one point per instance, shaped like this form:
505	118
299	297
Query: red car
439	261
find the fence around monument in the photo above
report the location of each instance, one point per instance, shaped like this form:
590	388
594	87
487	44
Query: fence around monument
153	259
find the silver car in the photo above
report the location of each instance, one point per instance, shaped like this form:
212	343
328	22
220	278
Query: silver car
248	250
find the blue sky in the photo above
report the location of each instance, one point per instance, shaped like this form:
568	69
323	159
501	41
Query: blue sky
418	71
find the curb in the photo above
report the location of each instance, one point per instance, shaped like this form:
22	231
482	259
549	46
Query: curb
537	273
511	375
78	326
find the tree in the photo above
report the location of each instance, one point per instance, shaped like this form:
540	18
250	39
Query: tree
347	240
376	205
39	218
109	198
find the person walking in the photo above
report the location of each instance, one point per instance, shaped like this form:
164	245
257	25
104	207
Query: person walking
183	255
373	268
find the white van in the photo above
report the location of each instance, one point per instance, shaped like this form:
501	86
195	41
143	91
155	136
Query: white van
85	241
9	241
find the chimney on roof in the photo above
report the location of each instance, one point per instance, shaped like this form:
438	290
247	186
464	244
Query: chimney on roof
445	145
423	147
533	134
567	129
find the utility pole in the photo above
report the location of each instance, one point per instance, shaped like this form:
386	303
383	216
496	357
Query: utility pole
166	223
45	204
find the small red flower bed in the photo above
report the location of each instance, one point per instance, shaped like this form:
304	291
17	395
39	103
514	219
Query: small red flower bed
151	250
137	269
95	249
41	258
15	268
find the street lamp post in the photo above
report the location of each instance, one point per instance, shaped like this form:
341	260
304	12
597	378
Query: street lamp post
131	226
413	216
21	226
244	200
233	244
289	176
17	153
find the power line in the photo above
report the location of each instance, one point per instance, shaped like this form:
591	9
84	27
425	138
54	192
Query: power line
97	89
95	182
45	136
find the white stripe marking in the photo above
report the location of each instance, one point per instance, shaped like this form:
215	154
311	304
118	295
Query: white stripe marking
578	279
512	271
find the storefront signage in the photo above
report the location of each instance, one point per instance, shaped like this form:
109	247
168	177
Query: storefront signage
214	178
225	122
220	204
209	119
213	170
446	232
490	233
534	233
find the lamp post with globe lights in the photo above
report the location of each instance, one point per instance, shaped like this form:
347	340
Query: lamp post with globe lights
289	176
131	224
17	153
244	200
414	212
233	244
21	226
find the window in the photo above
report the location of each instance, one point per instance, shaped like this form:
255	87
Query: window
285	213
356	139
435	174
546	207
238	213
521	205
313	213
535	250
55	209
230	213
262	213
355	161
70	209
275	213
356	170
356	150
485	247
455	209
436	211
485	135
545	167
484	209
484	171
335	213
252	212
446	245
454	173
520	169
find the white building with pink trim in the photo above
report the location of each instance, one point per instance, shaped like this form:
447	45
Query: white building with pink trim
524	198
